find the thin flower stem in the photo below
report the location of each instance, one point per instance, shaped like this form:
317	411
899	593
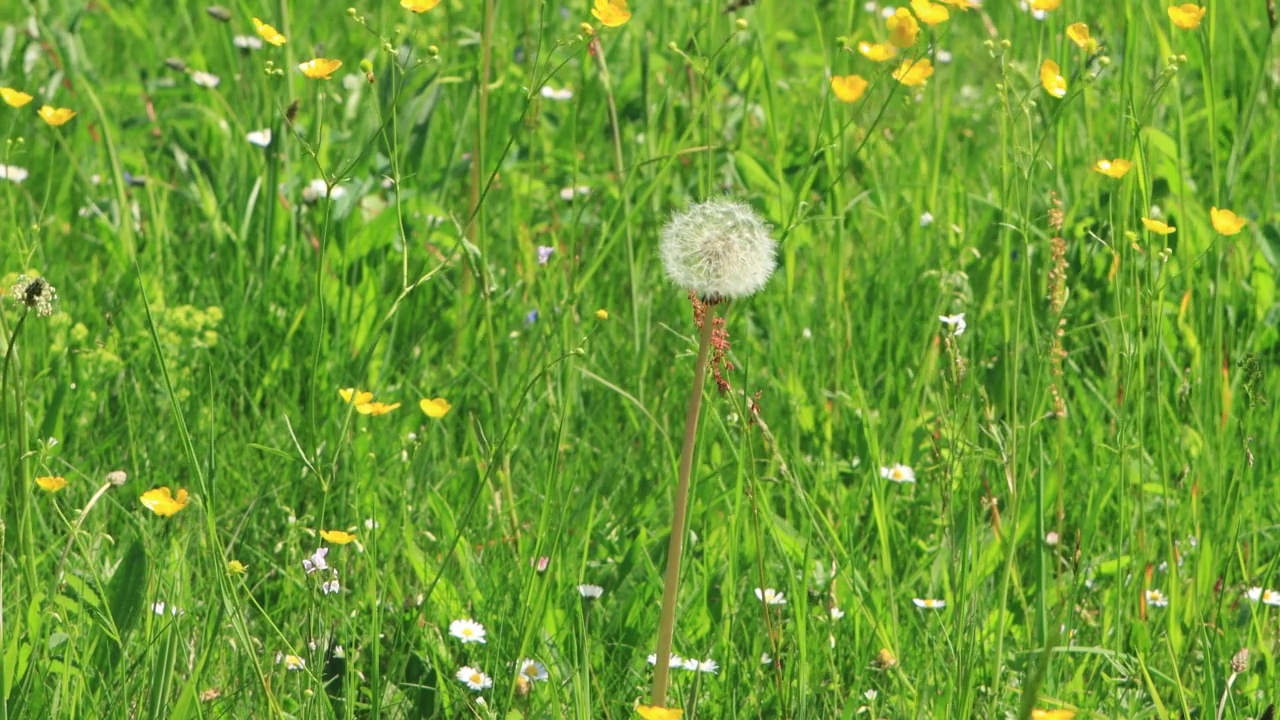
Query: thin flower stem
675	548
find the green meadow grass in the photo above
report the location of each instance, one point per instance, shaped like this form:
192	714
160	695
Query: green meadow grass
1102	428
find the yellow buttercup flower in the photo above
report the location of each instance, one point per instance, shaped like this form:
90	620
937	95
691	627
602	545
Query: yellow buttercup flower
268	33
162	502
1045	5
903	28
1158	227
602	314
848	88
1186	16
1113	168
51	483
235	567
359	397
962	4
14	98
376	408
1225	221
1052	80
56	117
877	52
435	408
1059	714
653	712
319	68
930	13
914	73
612	13
419	5
1078	33
337	537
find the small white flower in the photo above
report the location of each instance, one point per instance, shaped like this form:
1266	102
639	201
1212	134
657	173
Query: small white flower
330	587
806	333
898	473
887	11
769	596
551	93
765	659
532	670
929	603
159	608
261	138
926	219
247	42
871	694
316	561
567	193
956	322
690	664
12	173
1039	14
590	592
1254	593
1155	598
473	678
673	661
1051	538
870	6
943	56
708	666
836	613
468	631
316	189
204	79
718	248
1270	597
292	662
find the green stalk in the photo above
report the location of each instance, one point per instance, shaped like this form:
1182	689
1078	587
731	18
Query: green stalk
667	623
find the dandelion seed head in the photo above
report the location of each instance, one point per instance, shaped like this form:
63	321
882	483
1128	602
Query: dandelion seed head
719	249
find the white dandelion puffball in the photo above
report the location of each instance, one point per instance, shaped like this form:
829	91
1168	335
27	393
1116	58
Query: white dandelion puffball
719	249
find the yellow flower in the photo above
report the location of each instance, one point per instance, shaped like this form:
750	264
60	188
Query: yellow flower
14	98
337	537
319	68
52	483
376	408
930	13
1186	16
611	12
913	73
848	88
962	4
1158	227
55	116
1079	34
1045	4
419	5
435	409
1059	714
1225	221
602	314
903	28
161	502
1052	80
361	397
877	52
1113	168
268	33
653	712
235	567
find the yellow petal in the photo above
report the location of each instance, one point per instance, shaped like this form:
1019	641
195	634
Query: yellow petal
51	483
1078	33
653	712
435	408
1158	227
877	52
1117	168
419	5
55	116
1045	4
612	13
319	68
14	98
162	502
914	73
903	28
602	314
930	13
268	33
962	4
848	88
1186	16
337	537
235	567
1225	221
1051	79
1059	714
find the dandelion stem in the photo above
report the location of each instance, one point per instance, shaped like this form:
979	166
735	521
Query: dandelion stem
675	548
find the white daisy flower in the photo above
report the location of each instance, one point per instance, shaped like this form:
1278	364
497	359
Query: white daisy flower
674	661
708	666
532	670
1155	598
769	596
473	678
955	322
898	473
929	603
12	173
468	631
690	664
261	138
590	592
1270	597
291	662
